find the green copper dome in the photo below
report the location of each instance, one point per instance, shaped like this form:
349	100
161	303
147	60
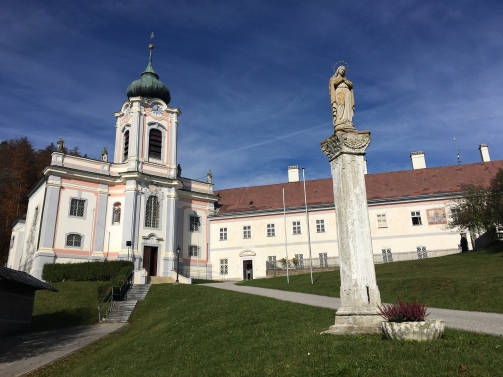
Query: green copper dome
149	85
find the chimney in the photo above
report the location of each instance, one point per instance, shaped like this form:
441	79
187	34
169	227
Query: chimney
293	173
418	161
484	153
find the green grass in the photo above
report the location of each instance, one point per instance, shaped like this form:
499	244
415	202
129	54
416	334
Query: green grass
467	281
201	331
75	304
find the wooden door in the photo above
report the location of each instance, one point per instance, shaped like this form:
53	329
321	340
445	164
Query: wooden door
153	261
146	258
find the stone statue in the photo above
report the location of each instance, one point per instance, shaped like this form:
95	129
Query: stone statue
61	146
104	154
209	177
342	99
178	171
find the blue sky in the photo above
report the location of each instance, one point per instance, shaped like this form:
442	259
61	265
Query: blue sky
251	78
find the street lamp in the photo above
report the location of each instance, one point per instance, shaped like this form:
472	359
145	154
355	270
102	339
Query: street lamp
128	244
177	263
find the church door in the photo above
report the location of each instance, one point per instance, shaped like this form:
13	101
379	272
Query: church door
150	260
247	270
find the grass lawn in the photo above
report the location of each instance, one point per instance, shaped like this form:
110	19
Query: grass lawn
467	281
75	304
200	331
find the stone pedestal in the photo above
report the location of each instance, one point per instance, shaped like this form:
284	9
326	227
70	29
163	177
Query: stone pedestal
359	292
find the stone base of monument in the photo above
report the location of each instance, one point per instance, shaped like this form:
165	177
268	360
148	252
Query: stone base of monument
356	320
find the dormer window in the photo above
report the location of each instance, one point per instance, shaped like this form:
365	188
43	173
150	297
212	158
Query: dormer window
155	145
126	145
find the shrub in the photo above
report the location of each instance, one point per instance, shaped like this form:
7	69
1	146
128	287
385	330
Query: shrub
85	271
102	290
413	311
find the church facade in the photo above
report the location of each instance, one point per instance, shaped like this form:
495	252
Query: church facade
136	207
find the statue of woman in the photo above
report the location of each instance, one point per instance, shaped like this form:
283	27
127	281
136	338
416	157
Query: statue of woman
342	99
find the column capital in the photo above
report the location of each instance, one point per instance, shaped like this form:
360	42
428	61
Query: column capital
345	142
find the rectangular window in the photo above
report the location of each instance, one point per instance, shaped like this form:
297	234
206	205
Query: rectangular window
382	221
224	266
421	252
454	214
271	230
77	207
320	226
386	255
223	234
296	227
271	262
194	224
298	260
247	231
416	217
193	251
323	259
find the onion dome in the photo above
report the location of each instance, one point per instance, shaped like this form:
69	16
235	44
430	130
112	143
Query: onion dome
149	85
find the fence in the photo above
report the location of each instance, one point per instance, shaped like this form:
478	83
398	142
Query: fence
302	266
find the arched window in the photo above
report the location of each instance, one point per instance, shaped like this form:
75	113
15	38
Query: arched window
126	145
74	240
155	144
116	219
152	212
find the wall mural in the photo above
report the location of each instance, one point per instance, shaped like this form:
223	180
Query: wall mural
436	216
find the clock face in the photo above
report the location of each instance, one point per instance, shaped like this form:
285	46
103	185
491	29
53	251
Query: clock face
157	109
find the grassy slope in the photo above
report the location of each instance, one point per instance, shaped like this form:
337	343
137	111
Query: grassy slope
201	331
468	281
75	304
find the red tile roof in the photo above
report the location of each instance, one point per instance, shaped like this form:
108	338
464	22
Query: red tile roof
380	186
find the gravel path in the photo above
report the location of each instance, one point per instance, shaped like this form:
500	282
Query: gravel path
489	323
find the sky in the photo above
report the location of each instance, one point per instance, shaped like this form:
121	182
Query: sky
251	78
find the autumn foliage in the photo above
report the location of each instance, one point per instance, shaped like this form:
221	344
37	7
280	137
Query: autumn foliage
20	168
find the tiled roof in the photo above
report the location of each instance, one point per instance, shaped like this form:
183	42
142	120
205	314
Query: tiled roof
380	186
23	278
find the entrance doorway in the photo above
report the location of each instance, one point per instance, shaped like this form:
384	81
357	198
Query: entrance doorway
247	270
150	260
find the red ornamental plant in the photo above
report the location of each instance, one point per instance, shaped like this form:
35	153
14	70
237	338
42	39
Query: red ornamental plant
413	311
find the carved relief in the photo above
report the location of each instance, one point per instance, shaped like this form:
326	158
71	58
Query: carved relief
351	142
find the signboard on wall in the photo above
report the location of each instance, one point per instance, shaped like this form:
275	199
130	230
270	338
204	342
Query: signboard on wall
436	216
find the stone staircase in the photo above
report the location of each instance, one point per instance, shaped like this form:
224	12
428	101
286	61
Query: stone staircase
123	309
161	280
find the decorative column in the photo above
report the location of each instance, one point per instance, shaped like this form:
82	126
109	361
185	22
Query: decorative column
345	149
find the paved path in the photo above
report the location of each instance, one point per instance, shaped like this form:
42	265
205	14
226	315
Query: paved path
20	354
489	323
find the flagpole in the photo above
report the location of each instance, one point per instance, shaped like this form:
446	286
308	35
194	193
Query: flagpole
286	243
308	230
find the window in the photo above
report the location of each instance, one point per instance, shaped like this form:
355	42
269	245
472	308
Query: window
193	251
195	223
271	230
323	259
386	255
152	212
271	262
77	207
454	214
74	240
416	217
382	221
126	145
320	226
223	234
296	227
155	144
299	260
224	266
421	252
247	231
116	217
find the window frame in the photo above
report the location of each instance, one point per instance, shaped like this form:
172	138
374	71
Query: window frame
271	230
224	267
158	213
247	232
323	257
72	246
387	255
126	135
193	227
385	220
115	205
223	234
416	215
422	252
84	210
197	253
296	227
320	226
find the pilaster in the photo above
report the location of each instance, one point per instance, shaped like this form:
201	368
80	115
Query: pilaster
101	220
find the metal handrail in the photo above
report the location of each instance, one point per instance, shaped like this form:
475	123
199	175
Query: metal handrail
109	296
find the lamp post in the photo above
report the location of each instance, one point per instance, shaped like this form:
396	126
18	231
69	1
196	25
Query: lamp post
128	244
177	263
